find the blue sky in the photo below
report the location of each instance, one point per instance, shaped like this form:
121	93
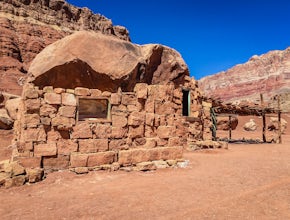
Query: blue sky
211	35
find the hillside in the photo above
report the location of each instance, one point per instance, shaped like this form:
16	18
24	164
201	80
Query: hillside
28	26
268	74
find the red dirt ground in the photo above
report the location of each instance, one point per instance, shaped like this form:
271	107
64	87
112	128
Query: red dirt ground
244	182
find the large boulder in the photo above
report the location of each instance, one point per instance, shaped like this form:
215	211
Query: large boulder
5	121
93	60
223	123
250	126
274	124
11	106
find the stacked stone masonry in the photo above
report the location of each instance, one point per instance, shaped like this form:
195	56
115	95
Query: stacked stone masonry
143	125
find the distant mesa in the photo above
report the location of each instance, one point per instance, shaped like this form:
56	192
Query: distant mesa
268	74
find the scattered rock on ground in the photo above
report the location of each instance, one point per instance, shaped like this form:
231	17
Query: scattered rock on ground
223	123
274	124
250	126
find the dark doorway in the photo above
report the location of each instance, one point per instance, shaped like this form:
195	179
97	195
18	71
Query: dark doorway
185	102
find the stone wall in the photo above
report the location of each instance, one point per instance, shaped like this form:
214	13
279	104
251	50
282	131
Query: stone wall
143	126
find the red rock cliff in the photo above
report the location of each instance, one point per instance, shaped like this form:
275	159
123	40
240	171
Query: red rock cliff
268	74
28	26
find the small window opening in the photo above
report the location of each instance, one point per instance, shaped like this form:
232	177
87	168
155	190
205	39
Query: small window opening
185	102
89	109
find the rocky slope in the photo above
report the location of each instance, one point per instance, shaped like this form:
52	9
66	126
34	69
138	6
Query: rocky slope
28	26
268	74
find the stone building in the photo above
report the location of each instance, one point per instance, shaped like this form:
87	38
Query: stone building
97	102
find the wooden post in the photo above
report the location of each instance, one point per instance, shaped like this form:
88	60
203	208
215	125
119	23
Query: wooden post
279	121
264	118
230	127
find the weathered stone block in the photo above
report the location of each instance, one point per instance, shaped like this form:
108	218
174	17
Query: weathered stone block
150	119
119	110
177	93
141	90
48	110
164	108
68	99
33	134
80	91
119	132
34	175
129	99
139	142
165	131
31	120
52	98
115	99
145	166
160	164
31	93
30	162
161	142
136	132
25	146
63	123
32	105
102	130
119	121
150	131
78	160
93	145
45	150
58	90
133	108
60	162
3	178
14	168
81	170
95	92
156	120
67	111
15	181
106	94
135	156
174	141
118	144
98	159
129	157
167	153
150	143
162	119
53	135
48	89
136	118
149	106
82	131
66	147
45	121
70	91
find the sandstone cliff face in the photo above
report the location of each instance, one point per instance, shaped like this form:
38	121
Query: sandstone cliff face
28	26
268	74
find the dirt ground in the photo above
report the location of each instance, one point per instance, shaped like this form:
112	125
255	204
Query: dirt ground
244	182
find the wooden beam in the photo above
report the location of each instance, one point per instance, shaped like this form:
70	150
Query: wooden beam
279	121
230	127
264	119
